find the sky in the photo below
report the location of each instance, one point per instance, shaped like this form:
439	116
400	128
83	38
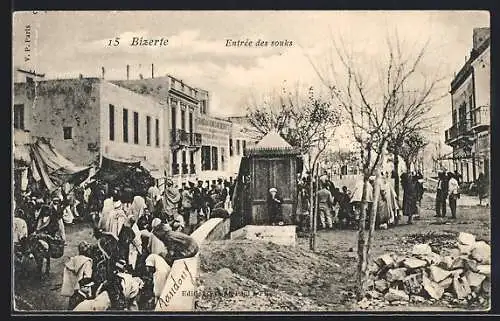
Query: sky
65	44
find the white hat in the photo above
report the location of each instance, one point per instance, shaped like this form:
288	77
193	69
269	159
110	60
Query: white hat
117	204
156	221
272	189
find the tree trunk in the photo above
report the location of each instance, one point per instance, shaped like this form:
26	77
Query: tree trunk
374	210
362	241
408	165
311	210
396	174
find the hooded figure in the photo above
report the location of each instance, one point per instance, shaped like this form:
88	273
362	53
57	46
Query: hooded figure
171	198
106	210
77	268
100	303
179	245
156	246
137	207
160	269
116	220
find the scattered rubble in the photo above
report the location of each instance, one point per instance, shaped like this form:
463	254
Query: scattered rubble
458	275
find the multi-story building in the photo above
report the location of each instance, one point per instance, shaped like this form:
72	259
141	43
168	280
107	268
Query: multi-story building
89	118
241	137
469	134
160	121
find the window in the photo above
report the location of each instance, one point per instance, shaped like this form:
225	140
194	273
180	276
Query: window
174	118
174	157
19	116
222	159
183	119
157	132
148	130
191	157
125	125
68	132
237	147
244	143
215	159
205	158
230	147
184	157
111	122
136	128
190	122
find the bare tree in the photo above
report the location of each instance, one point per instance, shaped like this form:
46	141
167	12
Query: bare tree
307	122
380	98
410	148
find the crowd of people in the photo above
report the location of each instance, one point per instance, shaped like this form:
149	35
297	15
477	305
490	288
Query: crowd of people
341	207
137	240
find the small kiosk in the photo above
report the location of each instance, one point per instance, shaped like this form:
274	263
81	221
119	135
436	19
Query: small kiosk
272	162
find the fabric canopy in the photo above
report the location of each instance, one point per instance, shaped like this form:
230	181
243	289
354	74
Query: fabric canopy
52	168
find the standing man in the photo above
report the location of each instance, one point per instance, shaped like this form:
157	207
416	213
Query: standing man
325	205
441	194
83	293
453	194
274	205
187	204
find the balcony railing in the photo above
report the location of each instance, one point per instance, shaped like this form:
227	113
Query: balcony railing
185	168
480	116
195	139
192	168
179	137
175	168
458	130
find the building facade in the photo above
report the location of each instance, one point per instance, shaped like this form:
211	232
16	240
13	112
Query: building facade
469	135
87	118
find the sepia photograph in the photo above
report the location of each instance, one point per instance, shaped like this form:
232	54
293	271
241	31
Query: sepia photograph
251	161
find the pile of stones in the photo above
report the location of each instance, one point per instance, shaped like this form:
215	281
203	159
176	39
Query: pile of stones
455	276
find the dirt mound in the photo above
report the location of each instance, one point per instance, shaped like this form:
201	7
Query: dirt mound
227	291
326	277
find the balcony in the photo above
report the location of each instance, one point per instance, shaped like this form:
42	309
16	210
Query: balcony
195	139
175	168
192	168
179	137
480	118
458	131
185	168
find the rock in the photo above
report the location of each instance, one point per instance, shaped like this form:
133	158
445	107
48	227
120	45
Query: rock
396	274
413	283
465	248
381	285
484	269
299	294
431	259
373	294
447	262
396	302
481	252
413	263
224	272
432	288
466	238
385	260
446	283
396	295
457	272
437	274
461	287
383	226
474	279
458	263
364	303
470	265
421	249
418	299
